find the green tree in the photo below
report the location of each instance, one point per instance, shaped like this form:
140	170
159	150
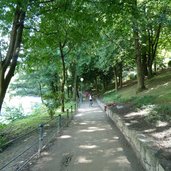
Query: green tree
14	13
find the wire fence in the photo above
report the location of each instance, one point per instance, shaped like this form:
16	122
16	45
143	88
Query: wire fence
36	141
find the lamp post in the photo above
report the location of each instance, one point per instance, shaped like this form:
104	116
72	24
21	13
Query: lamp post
81	79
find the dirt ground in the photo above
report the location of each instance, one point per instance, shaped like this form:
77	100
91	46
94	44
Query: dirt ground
92	142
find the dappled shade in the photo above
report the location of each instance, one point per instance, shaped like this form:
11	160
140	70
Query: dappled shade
91	143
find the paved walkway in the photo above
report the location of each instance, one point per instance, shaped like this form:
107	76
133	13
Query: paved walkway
91	143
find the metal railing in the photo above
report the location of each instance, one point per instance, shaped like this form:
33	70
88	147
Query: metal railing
41	137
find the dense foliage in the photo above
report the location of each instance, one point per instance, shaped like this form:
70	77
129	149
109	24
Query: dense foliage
57	42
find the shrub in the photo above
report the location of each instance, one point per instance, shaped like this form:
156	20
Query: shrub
41	109
3	139
153	117
160	113
2	126
14	113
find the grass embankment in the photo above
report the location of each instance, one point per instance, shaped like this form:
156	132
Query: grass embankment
158	93
27	124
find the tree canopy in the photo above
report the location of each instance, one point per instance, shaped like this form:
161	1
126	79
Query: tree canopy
57	42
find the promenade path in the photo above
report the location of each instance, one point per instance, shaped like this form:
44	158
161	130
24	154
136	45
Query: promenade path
91	143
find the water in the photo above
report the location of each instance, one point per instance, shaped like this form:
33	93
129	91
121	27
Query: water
27	104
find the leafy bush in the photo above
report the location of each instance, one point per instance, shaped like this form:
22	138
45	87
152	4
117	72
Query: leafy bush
41	109
3	139
142	101
52	102
160	113
2	126
14	113
153	117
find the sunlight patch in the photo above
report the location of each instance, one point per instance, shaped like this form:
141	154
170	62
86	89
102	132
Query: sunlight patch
83	123
127	124
45	153
80	114
143	112
64	136
106	140
166	84
150	130
83	110
82	159
116	138
119	149
120	160
134	121
85	130
162	135
92	129
92	109
161	124
88	146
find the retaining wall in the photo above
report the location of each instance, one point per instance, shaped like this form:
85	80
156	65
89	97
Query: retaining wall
143	146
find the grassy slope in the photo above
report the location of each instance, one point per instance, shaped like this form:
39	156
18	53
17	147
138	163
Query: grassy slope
159	86
22	126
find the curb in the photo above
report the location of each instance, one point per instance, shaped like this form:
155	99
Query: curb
143	146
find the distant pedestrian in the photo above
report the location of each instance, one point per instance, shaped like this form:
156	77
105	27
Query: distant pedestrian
90	100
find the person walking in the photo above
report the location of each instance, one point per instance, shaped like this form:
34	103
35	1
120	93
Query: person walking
90	100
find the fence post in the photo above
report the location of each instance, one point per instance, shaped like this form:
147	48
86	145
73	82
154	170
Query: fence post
71	109
59	122
71	113
67	117
41	130
75	107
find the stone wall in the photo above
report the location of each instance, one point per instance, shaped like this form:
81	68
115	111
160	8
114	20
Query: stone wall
142	145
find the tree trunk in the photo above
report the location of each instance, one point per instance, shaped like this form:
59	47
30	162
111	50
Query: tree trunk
116	79
120	74
8	65
75	82
144	60
144	52
140	74
104	84
68	91
144	64
153	44
96	84
150	70
155	66
63	79
2	90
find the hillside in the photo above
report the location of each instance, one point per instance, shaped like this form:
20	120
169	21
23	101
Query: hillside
158	87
